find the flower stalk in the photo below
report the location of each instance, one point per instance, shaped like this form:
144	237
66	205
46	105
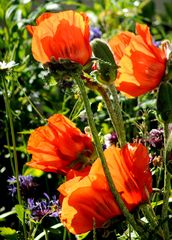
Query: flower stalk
100	153
8	110
152	219
112	111
166	193
117	110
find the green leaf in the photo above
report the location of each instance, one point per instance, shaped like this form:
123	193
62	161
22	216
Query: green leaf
82	236
20	212
26	131
52	81
19	149
8	233
33	172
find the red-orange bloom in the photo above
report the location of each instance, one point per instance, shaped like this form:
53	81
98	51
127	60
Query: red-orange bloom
59	146
63	35
88	199
141	64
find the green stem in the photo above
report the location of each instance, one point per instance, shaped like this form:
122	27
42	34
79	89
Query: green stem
46	234
110	108
100	153
31	103
118	113
8	144
64	234
8	109
166	193
152	219
33	232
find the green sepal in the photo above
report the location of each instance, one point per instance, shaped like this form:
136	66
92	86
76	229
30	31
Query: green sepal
164	101
106	66
106	73
63	69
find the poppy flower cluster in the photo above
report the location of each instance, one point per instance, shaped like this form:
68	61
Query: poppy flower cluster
86	199
59	146
66	35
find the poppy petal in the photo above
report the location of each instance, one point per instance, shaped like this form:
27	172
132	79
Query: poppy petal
58	145
141	64
88	201
63	35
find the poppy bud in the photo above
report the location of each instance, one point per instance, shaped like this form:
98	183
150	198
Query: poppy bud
106	66
164	101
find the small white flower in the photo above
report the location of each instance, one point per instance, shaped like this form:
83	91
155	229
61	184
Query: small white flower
167	47
107	141
4	65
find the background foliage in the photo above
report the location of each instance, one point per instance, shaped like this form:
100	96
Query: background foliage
34	95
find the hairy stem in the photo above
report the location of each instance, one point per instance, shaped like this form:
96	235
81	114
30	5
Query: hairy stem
111	110
117	110
166	192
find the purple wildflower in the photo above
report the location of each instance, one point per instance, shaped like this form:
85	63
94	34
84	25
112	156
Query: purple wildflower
156	138
27	185
109	139
95	33
156	43
43	207
12	190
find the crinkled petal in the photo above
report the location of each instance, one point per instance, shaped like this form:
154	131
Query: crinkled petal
88	201
63	35
58	146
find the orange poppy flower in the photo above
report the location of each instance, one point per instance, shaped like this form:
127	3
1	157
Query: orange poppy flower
59	146
88	201
141	64
63	35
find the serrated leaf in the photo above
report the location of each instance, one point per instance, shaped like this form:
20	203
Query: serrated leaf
20	212
19	149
